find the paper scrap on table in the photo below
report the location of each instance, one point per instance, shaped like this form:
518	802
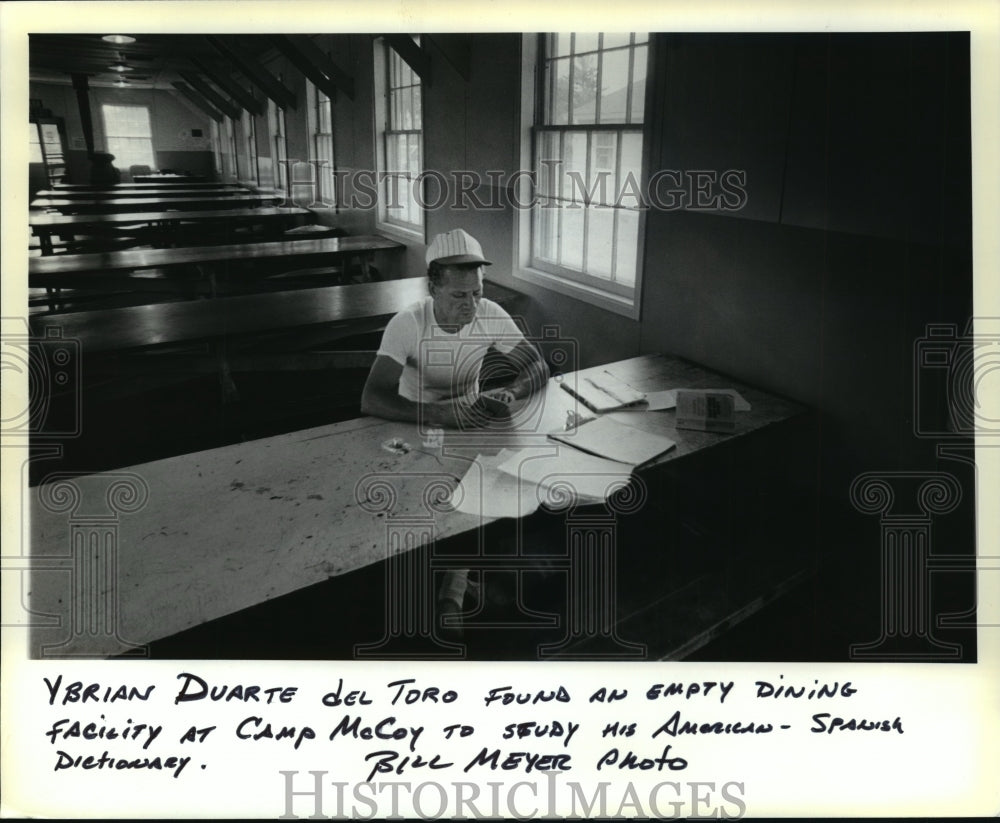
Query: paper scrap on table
567	476
667	399
488	492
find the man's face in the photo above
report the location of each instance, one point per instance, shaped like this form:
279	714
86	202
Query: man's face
457	295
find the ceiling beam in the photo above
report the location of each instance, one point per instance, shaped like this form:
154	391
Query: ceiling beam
266	81
414	56
83	102
306	66
198	100
308	50
211	95
231	87
457	50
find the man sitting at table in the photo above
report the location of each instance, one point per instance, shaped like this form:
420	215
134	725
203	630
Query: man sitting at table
428	366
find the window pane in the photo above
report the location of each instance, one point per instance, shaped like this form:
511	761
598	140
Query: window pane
584	89
558	108
34	147
639	84
548	156
585	42
614	86
628	242
572	237
603	179
574	166
546	220
600	236
631	168
614	40
559	45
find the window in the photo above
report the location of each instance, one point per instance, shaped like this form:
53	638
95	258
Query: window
218	150
322	151
230	158
583	231
34	145
128	135
279	145
249	128
400	130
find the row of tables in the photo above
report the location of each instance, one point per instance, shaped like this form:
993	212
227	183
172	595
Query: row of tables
260	285
166	216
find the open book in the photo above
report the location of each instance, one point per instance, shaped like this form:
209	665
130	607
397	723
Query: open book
602	391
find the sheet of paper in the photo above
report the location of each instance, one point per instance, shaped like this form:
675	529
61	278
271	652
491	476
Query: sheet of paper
667	399
616	441
488	492
568	476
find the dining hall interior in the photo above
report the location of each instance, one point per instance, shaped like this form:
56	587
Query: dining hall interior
786	216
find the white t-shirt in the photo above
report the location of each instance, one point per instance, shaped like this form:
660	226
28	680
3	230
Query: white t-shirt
437	364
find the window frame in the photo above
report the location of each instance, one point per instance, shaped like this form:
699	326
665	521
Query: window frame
277	125
248	133
598	291
384	55
316	99
109	135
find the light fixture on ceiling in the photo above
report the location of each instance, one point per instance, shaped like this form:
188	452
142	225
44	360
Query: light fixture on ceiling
118	39
121	83
119	67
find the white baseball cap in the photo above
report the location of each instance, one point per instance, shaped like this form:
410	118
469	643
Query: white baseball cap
456	247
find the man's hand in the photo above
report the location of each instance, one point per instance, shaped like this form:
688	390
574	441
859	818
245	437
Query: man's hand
488	410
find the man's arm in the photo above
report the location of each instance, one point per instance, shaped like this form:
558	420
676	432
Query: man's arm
532	372
381	398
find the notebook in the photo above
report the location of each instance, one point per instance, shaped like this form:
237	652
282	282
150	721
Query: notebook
602	391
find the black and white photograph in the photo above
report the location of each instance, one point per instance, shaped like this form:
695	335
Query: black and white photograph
428	347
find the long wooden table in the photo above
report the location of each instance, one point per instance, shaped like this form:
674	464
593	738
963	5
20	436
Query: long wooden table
167	184
196	537
207	200
114	193
157	223
114	268
163	324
